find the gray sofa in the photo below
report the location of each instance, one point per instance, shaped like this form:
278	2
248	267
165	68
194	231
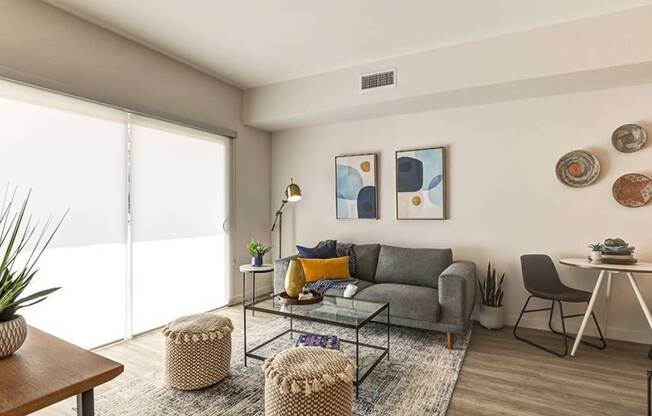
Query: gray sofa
424	287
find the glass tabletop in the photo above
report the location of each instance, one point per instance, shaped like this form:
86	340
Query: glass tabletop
336	310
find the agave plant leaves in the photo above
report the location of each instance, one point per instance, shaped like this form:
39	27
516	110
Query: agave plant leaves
17	237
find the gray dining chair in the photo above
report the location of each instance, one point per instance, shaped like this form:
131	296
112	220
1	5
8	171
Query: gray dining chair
542	281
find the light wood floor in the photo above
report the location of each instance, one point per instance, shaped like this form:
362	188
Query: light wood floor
500	376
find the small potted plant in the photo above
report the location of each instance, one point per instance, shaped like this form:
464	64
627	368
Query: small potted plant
492	315
257	250
596	253
18	258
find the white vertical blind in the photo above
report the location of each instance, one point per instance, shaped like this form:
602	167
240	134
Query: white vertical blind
179	204
72	155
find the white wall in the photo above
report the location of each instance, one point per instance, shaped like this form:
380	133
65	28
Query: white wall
504	197
45	46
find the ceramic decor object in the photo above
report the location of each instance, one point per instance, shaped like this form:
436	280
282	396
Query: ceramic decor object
12	335
295	279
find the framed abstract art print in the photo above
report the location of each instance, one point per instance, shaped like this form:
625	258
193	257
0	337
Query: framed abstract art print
355	186
421	184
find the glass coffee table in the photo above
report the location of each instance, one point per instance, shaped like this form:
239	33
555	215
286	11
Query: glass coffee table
332	310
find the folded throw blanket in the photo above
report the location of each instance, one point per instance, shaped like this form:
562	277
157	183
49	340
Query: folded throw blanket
338	285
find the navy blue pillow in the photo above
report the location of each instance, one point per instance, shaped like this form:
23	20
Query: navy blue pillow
323	250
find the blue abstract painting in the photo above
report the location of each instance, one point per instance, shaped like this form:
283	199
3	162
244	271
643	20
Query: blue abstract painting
420	192
355	186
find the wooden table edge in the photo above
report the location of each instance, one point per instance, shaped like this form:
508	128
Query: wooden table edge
67	392
586	264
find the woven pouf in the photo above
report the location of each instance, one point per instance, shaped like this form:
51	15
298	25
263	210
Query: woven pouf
197	351
308	381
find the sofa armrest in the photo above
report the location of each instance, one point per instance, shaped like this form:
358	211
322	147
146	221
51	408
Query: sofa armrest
280	269
457	292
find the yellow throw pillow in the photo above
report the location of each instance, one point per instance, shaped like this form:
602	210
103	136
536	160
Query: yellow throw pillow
335	268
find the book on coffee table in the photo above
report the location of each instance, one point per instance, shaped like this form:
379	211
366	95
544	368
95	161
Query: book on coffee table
324	341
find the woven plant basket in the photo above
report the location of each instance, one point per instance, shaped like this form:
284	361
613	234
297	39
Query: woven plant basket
12	335
308	381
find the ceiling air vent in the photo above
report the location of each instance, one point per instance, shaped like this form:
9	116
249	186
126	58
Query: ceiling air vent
378	79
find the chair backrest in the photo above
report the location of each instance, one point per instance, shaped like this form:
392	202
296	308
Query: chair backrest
539	273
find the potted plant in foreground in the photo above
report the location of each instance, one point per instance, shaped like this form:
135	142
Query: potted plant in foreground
492	315
17	234
257	250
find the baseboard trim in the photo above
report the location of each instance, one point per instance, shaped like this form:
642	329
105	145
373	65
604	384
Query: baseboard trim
572	326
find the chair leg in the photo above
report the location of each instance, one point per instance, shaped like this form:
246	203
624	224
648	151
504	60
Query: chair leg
602	340
552	311
595	320
521	315
527	341
450	340
563	328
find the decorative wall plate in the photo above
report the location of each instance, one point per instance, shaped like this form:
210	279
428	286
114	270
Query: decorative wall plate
629	138
578	168
632	190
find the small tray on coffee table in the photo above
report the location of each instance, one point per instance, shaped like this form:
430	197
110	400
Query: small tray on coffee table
316	298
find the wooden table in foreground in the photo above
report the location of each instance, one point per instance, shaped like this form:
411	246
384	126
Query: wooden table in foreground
47	370
609	270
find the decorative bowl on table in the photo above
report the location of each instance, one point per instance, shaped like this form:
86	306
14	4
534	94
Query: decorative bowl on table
289	300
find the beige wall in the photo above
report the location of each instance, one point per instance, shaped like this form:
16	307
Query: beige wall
504	197
48	47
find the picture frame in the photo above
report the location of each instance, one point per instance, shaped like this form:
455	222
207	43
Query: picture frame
356	186
421	177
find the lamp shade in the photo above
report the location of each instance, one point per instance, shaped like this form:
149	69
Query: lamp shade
293	192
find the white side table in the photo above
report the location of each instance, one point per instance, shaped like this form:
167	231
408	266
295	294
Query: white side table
253	271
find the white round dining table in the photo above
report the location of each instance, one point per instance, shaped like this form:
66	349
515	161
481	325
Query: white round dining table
609	270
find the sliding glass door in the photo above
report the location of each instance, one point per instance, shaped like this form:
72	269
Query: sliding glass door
179	208
122	271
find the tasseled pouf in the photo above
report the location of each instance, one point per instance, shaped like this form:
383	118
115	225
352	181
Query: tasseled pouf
197	351
308	381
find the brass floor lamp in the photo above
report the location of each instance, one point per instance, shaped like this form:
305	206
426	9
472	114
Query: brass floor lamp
292	194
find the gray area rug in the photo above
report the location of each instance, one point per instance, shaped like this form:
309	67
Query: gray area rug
419	378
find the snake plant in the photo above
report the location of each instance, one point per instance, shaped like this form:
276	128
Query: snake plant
19	235
492	288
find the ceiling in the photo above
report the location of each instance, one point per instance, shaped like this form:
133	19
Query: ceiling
257	42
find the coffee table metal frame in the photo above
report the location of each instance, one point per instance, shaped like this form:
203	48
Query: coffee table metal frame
359	378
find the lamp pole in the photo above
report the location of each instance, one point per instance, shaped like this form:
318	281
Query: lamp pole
279	219
292	194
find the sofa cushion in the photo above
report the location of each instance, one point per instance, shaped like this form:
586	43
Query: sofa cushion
405	301
412	266
323	250
346	250
366	260
316	269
